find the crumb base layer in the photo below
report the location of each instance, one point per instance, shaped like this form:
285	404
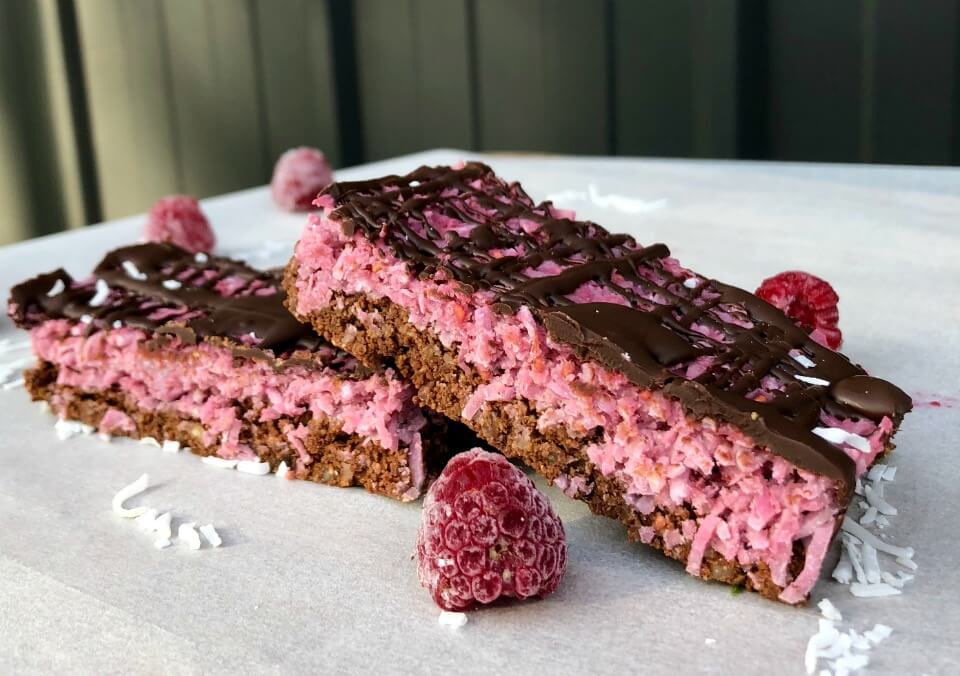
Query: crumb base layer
338	458
511	427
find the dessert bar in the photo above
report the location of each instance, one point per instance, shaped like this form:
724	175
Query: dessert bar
200	350
695	413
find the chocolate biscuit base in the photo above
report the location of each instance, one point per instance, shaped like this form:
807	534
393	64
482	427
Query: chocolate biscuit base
338	458
444	387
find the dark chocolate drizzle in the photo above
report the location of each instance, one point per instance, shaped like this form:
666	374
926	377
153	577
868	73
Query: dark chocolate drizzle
210	314
660	329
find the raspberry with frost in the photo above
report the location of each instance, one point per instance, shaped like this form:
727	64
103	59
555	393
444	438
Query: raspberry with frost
487	533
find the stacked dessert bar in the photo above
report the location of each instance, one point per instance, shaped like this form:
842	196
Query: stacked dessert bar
695	413
200	350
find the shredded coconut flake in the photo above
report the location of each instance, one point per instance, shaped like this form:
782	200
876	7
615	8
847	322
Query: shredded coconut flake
451	619
253	467
878	633
691	282
171	284
873	497
282	469
861	590
835	435
86	319
67	429
147	521
149	441
813	381
161	543
57	288
861	533
170	446
132	271
117	324
201	257
101	293
14	384
804	360
829	611
220	463
127	492
211	535
162	526
709	641
890	473
188	535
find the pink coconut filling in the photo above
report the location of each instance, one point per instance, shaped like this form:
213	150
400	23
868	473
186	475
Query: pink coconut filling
203	382
753	505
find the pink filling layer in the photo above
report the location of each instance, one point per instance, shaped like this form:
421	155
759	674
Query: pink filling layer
203	383
753	505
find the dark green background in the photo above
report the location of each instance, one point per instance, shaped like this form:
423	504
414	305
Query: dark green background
110	104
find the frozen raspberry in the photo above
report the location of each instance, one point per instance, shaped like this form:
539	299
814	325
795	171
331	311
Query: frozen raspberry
177	219
298	176
486	533
807	300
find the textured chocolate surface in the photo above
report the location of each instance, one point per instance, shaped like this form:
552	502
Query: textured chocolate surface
163	289
664	326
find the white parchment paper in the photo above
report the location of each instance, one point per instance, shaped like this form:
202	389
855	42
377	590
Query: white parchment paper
312	579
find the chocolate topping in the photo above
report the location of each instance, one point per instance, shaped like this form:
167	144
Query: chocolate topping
165	290
718	349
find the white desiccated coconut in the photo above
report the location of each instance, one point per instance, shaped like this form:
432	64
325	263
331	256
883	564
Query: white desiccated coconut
100	295
890	473
117	324
878	633
804	360
829	611
869	516
876	472
147	521
172	284
188	535
691	282
127	492
170	446
201	257
826	636
282	469
162	526
149	441
883	522
861	590
858	487
67	429
906	562
709	641
810	380
86	319
105	437
253	467
452	619
57	288
853	528
875	500
211	535
161	543
871	564
221	463
14	384
835	435
843	573
133	272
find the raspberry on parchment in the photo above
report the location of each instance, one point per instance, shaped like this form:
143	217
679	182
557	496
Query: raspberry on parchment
488	533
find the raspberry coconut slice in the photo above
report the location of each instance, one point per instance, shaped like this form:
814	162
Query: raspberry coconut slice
488	533
809	301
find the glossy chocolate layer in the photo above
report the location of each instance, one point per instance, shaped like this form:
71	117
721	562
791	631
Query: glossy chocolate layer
662	330
163	289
